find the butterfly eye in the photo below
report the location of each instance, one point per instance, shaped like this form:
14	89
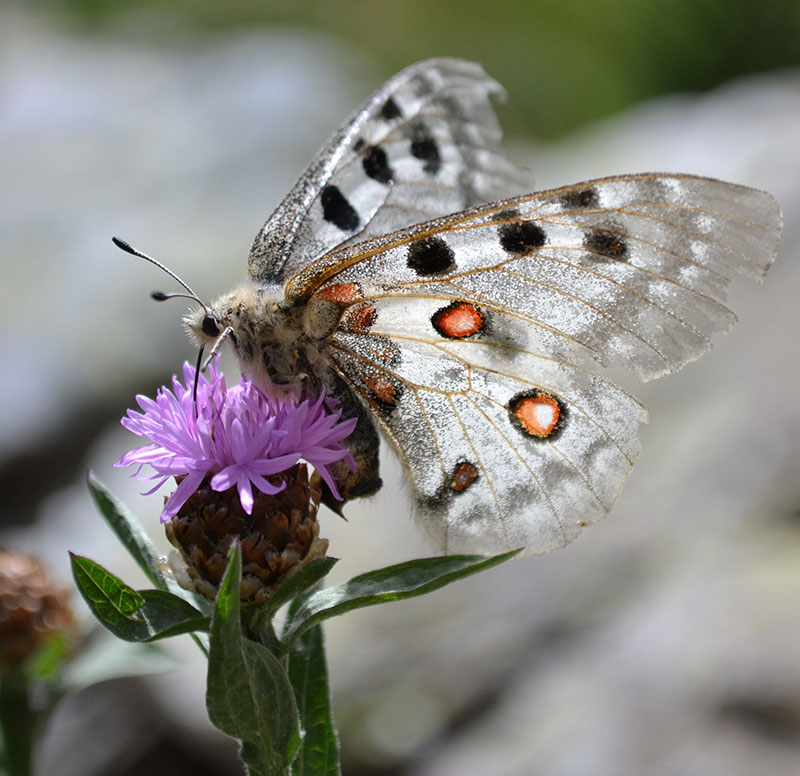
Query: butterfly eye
210	326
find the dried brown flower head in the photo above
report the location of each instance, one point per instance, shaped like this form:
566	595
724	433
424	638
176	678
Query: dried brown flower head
32	608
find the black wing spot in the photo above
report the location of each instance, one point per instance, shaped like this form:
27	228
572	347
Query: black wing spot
359	144
521	236
390	110
337	210
425	148
376	165
430	256
583	198
606	243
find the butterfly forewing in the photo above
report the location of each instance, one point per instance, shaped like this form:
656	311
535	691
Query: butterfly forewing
636	268
426	144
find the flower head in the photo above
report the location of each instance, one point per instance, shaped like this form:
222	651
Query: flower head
236	436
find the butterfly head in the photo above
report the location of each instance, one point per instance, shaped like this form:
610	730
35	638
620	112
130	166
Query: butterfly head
211	325
231	318
266	336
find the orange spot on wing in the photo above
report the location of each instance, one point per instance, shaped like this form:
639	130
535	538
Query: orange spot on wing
458	320
463	476
538	414
381	387
359	320
341	293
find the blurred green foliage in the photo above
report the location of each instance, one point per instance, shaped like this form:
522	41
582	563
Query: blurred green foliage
565	61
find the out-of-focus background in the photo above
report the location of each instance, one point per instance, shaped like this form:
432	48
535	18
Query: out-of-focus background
665	640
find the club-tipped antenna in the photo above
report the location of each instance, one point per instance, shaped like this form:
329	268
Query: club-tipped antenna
159	295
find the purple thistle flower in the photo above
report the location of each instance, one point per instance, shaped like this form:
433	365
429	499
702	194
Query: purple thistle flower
237	435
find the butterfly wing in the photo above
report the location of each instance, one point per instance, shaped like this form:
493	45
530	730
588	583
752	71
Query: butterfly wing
475	339
425	144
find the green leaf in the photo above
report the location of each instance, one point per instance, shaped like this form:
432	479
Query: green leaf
393	583
129	531
248	694
136	541
167	615
303	579
129	614
109	598
308	673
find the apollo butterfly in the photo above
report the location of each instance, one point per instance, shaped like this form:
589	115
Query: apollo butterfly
475	336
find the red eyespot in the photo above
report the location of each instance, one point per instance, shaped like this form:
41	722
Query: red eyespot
458	320
463	476
341	293
538	414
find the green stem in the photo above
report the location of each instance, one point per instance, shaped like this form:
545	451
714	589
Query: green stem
258	627
17	722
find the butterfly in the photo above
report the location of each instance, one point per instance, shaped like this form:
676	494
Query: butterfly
475	337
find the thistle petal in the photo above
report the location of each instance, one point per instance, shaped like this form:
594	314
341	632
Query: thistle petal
236	436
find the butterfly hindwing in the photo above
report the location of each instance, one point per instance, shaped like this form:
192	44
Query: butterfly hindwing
483	478
427	143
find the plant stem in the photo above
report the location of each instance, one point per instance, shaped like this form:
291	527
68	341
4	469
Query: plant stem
258	627
17	721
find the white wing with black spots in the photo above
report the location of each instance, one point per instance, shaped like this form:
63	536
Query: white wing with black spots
635	268
427	143
473	338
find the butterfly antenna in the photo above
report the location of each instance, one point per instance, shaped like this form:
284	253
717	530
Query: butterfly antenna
160	296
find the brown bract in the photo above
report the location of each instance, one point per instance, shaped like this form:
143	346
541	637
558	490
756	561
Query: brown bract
279	536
